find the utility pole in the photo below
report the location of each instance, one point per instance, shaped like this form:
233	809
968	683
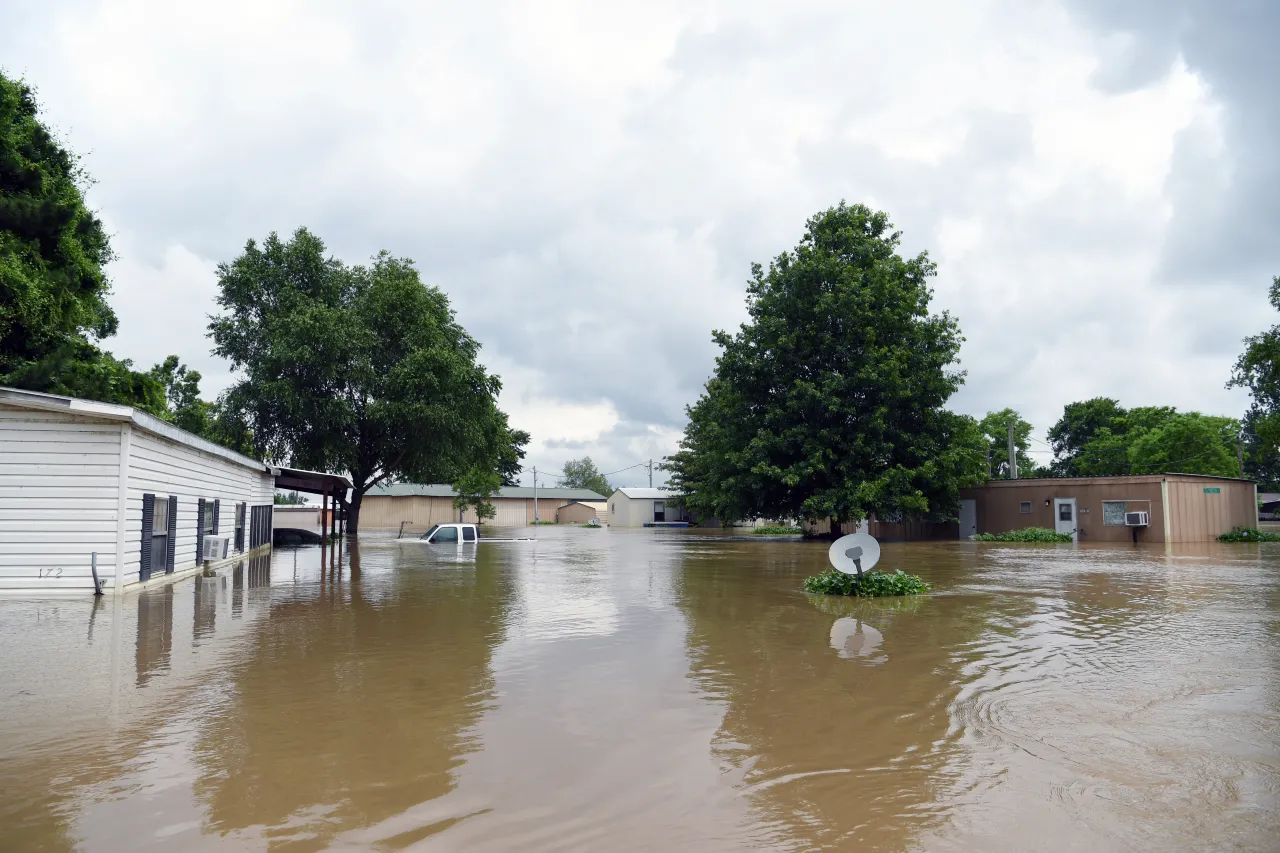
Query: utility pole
1240	451
535	495
1013	455
651	473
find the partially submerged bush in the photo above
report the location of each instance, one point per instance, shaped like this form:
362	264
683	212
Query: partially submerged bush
870	585
1026	534
1249	534
776	530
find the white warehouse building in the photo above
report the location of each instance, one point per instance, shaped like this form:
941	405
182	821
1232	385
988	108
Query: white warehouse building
636	507
79	478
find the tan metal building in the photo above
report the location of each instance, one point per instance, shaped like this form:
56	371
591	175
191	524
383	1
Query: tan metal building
1179	507
580	512
415	507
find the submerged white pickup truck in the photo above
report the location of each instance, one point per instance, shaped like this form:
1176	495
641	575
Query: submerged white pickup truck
459	534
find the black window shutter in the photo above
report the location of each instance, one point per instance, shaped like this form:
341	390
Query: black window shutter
217	508
148	518
200	532
172	538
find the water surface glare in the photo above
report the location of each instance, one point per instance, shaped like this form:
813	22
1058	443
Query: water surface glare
652	690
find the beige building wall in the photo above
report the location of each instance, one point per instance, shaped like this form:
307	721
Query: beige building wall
1199	514
575	513
379	512
385	513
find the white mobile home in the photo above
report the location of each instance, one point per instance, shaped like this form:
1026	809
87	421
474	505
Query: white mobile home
633	507
79	478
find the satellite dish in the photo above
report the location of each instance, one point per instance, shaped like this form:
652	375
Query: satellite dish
855	553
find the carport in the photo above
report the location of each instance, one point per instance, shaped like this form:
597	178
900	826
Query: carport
332	488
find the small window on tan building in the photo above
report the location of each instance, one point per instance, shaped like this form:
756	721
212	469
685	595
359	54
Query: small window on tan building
1025	507
1113	513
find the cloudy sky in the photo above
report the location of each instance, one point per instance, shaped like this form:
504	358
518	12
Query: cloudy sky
590	182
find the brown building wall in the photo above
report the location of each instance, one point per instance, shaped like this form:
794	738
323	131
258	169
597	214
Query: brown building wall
1195	516
999	502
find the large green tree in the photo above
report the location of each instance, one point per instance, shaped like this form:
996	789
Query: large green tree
1080	424
828	402
995	430
1258	370
1099	437
53	290
583	474
1187	443
359	369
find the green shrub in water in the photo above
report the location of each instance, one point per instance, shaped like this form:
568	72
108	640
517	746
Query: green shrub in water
776	530
870	585
1026	534
1249	534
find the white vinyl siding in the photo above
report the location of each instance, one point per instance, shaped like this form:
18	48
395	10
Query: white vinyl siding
162	467
61	495
59	498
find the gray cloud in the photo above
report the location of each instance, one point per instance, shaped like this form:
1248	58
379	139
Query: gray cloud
591	184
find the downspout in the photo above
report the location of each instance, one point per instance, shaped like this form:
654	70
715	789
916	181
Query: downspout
1164	512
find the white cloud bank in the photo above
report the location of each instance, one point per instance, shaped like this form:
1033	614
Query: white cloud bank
589	183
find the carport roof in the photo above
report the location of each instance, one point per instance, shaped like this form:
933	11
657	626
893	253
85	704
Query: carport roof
441	490
314	482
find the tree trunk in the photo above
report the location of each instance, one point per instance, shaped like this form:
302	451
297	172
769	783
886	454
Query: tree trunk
353	520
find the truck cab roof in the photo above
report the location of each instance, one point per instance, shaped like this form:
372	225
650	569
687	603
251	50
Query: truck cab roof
454	533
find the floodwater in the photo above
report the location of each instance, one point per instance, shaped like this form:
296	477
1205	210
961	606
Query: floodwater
653	690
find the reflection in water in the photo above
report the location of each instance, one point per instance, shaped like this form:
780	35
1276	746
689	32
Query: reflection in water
303	749
853	638
638	690
155	632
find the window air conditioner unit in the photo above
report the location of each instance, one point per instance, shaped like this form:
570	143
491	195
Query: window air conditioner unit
1136	519
216	548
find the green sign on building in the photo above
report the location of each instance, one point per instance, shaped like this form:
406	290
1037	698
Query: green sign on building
1213	491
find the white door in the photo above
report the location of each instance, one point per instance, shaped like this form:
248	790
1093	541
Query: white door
1064	515
968	518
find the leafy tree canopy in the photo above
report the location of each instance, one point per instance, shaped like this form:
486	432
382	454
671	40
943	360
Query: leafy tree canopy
995	431
361	369
1258	370
583	474
475	488
53	290
1081	423
828	402
1099	437
1187	443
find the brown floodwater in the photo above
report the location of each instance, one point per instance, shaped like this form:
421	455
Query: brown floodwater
653	690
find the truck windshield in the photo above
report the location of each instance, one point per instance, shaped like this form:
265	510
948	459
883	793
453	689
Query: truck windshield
433	529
